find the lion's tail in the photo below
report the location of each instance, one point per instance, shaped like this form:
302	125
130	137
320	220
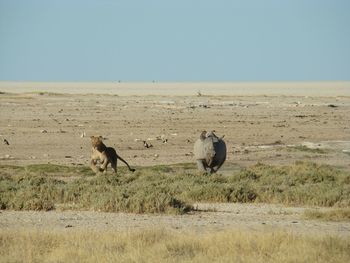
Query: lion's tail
120	158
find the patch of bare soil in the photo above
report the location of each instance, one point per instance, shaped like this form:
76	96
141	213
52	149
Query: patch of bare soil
55	128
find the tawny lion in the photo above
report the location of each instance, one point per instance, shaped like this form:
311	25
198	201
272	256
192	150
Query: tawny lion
105	155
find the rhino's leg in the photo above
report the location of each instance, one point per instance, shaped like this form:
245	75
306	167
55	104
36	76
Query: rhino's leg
202	165
216	168
212	170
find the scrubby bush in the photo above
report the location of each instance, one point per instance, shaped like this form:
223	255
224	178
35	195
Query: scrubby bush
303	183
170	190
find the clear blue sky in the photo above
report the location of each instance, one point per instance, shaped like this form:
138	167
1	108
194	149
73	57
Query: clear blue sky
167	40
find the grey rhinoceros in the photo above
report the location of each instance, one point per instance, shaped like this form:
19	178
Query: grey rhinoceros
210	152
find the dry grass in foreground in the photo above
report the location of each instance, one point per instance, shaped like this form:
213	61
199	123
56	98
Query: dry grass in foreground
166	246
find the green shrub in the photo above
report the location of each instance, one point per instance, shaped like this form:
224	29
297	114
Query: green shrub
170	190
302	183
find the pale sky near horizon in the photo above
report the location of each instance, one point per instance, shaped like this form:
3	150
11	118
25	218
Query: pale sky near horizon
183	40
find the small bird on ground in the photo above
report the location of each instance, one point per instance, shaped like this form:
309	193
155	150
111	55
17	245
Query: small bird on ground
147	145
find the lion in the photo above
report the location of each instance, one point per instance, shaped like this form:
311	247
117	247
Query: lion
105	155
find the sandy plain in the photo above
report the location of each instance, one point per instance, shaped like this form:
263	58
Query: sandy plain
262	122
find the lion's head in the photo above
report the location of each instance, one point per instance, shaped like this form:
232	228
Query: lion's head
96	142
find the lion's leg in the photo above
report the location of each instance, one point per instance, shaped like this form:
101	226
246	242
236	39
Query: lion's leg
114	165
93	165
104	163
103	167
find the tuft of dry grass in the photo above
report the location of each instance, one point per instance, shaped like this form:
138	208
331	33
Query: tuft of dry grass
165	246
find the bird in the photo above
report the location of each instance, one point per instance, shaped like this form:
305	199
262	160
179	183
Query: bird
147	145
6	142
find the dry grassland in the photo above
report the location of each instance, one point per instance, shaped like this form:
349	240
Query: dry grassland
166	246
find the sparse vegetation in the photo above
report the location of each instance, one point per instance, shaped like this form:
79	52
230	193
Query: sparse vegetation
303	183
46	93
304	148
165	246
333	215
49	170
169	189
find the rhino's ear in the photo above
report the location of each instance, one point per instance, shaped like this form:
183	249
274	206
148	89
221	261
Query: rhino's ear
203	135
212	134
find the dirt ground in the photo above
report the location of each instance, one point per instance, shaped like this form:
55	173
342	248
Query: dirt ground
214	217
269	127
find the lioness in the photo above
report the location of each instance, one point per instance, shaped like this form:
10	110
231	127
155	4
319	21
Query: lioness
105	154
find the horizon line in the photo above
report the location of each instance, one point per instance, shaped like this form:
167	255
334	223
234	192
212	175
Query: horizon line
170	81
